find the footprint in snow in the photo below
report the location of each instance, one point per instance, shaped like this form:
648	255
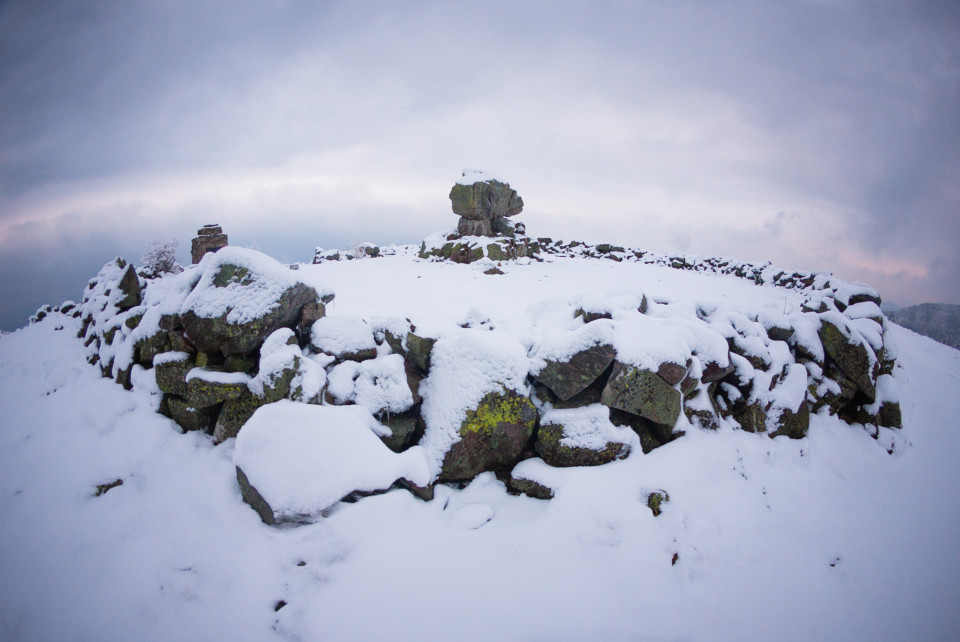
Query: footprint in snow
472	516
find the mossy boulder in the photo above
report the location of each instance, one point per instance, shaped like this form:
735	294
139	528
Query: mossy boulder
552	449
220	333
485	200
751	415
235	413
568	378
204	389
419	350
528	487
793	424
492	436
403	427
190	417
151	346
643	393
851	354
171	372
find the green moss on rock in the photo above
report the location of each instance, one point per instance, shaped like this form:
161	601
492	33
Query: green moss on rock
492	437
550	447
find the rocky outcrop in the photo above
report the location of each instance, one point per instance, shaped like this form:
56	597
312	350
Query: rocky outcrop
210	238
237	334
241	334
479	196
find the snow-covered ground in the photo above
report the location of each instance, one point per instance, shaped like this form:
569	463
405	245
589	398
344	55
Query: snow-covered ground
827	537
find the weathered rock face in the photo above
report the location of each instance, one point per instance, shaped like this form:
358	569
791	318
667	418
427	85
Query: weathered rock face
210	238
642	393
130	286
492	437
569	378
852	357
485	199
551	447
230	337
483	203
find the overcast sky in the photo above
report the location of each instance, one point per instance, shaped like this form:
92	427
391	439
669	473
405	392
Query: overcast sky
816	134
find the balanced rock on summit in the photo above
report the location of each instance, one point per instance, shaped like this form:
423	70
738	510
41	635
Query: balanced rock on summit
482	201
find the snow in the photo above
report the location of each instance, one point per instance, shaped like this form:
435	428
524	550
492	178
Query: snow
865	541
471	176
248	298
217	376
379	385
342	334
588	427
303	459
466	365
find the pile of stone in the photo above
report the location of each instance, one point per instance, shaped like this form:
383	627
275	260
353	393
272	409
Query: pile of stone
210	238
224	339
484	204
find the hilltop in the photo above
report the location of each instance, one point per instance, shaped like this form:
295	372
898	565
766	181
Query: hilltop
703	531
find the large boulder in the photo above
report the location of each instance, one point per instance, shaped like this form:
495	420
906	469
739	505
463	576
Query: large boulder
492	436
572	376
850	352
294	461
210	238
642	392
581	437
242	297
480	196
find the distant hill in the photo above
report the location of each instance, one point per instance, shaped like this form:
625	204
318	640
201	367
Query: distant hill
939	321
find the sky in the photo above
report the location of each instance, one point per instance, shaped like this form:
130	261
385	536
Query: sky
819	135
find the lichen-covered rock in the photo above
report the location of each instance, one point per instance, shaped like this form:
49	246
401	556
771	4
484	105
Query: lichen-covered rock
793	424
188	416
528	487
850	352
241	298
643	393
656	500
234	414
492	437
571	377
751	416
474	227
418	351
211	386
170	369
484	199
403	426
581	437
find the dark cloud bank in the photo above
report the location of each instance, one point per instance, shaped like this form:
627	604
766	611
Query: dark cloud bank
819	135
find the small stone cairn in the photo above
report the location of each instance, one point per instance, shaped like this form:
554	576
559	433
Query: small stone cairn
484	203
210	238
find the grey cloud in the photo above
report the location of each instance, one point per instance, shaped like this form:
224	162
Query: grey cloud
797	105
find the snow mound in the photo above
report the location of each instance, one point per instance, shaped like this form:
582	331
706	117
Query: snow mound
303	459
